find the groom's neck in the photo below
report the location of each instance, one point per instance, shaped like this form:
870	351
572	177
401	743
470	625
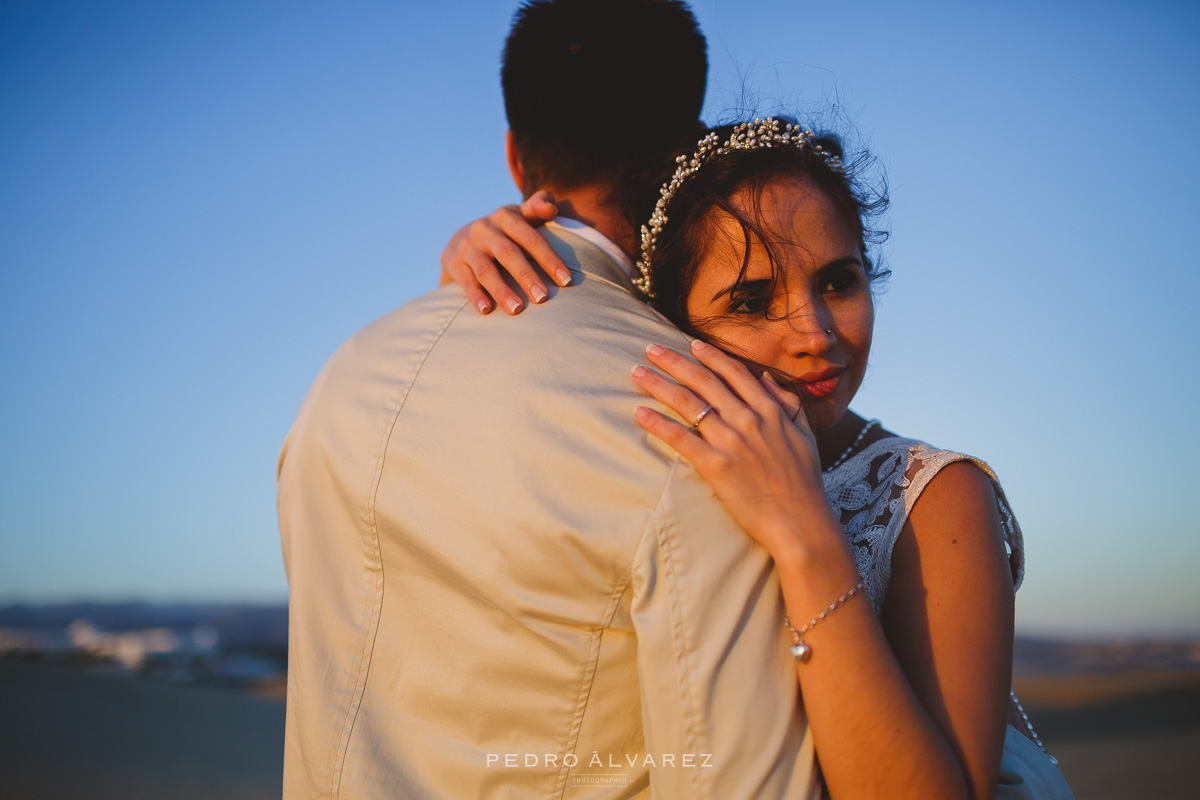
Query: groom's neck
584	205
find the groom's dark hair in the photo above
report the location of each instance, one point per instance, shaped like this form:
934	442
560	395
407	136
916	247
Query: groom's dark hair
596	91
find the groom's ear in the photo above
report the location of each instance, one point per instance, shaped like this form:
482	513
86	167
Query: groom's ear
514	163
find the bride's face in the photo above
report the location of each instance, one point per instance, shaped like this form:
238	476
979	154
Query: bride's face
814	322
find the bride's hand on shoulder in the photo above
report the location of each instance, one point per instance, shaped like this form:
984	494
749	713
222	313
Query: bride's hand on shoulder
754	447
504	243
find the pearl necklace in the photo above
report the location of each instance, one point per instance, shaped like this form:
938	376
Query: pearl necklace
1029	727
871	423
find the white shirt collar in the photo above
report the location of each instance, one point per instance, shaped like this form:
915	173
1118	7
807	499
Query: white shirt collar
597	238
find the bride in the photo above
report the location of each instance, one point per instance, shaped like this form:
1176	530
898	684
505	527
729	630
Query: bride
898	560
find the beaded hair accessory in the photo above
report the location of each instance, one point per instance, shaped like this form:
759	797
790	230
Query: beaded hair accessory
756	135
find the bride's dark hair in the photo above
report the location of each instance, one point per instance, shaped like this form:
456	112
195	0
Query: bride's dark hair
857	190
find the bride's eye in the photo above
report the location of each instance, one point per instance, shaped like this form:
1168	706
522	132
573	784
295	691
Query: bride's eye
840	280
751	306
750	299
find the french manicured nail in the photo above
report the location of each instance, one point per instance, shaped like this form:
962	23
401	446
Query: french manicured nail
655	349
699	344
564	277
641	412
514	305
484	306
639	371
539	293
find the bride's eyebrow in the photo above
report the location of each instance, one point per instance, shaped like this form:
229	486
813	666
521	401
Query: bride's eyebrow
761	283
838	263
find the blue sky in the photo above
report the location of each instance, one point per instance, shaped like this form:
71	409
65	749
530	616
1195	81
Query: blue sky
199	202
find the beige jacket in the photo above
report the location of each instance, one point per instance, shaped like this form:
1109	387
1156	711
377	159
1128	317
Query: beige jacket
502	588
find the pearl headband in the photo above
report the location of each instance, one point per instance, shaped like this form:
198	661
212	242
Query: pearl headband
761	133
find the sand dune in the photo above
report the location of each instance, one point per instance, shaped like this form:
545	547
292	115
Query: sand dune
68	734
1120	735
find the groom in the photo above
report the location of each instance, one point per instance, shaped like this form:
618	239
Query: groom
500	587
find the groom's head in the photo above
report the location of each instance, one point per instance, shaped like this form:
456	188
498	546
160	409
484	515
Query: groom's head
597	90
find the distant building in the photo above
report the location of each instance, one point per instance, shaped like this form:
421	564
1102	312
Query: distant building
34	640
227	645
128	648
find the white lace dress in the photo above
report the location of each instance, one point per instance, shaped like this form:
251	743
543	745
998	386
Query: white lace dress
874	491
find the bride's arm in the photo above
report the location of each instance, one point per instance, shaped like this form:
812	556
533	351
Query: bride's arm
481	253
948	622
912	708
949	615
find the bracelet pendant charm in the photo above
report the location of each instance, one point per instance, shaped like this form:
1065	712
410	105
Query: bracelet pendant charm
800	652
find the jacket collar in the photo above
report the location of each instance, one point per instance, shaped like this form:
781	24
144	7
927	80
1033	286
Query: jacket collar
581	255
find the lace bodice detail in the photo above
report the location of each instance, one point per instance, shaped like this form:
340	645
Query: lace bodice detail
874	491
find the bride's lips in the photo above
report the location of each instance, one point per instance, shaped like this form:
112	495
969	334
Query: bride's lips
820	385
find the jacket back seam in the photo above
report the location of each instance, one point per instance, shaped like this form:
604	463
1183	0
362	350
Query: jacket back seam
372	631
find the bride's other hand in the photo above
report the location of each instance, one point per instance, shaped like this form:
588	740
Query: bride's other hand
481	253
761	462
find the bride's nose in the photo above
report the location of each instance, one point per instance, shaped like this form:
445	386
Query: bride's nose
809	332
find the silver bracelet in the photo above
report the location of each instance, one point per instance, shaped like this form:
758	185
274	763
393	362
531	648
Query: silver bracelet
802	652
